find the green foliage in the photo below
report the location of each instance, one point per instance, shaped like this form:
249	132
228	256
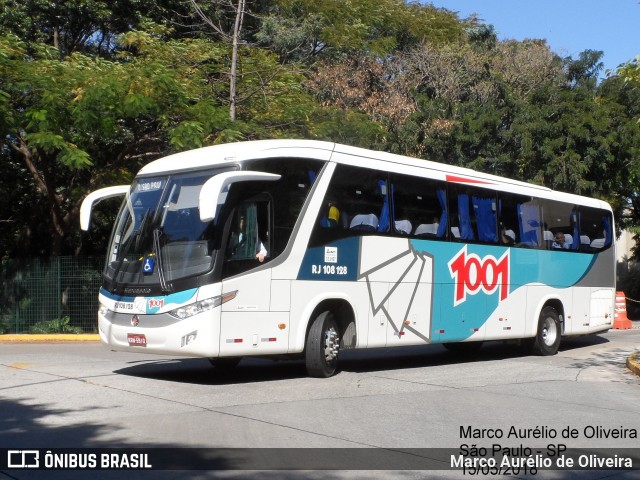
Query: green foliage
66	115
346	127
91	90
56	325
630	70
305	28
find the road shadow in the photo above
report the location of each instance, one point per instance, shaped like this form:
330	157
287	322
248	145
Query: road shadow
200	371
28	426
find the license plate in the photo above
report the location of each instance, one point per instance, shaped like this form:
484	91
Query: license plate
137	340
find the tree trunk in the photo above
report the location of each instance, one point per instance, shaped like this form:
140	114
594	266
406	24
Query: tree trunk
43	178
233	74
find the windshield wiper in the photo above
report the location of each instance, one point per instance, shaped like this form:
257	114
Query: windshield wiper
157	233
141	233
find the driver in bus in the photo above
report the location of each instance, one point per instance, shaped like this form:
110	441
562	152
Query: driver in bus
238	243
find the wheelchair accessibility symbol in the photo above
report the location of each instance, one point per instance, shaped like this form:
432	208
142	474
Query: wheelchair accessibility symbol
148	265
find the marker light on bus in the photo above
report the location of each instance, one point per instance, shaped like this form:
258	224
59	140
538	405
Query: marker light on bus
202	305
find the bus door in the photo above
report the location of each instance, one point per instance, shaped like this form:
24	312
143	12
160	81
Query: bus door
245	327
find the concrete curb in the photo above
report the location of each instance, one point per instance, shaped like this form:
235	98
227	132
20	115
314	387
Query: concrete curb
633	363
49	338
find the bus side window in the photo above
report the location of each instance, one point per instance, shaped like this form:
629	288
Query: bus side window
595	229
357	202
417	207
560	222
508	219
248	243
288	194
519	220
485	211
477	214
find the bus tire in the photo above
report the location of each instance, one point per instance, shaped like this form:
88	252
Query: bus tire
225	363
322	346
547	339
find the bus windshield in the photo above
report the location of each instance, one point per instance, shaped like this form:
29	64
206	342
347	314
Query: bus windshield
159	237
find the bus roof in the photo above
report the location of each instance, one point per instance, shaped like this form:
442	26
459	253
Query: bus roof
231	153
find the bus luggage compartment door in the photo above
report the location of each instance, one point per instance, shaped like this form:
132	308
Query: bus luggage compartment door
400	284
601	308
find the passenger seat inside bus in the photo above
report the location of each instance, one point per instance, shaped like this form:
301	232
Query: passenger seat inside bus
365	222
585	241
403	226
568	241
427	230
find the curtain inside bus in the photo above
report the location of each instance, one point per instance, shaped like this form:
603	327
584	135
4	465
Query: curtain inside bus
608	235
576	230
466	229
485	213
383	222
442	227
529	223
244	242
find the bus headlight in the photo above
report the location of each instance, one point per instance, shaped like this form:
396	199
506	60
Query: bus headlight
202	306
103	310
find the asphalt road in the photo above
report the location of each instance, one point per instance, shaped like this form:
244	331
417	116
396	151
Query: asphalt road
74	396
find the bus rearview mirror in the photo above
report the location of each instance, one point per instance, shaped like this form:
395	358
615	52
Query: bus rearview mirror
214	191
94	198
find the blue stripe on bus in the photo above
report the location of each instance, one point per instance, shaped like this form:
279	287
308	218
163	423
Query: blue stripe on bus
557	269
335	261
339	261
177	298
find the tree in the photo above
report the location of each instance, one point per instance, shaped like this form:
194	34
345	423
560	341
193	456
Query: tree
79	122
87	26
630	71
370	89
304	30
231	35
526	66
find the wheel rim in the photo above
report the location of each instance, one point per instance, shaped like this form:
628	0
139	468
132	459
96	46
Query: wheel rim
549	331
331	345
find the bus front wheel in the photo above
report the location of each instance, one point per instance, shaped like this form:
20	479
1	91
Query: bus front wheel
322	347
547	339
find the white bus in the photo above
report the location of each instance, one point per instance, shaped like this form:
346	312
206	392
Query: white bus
305	248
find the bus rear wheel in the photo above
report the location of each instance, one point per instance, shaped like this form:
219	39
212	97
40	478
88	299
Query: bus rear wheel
547	339
322	347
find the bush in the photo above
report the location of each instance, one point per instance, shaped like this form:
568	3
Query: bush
57	325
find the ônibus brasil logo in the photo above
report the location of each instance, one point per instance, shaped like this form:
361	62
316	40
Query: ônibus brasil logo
472	274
